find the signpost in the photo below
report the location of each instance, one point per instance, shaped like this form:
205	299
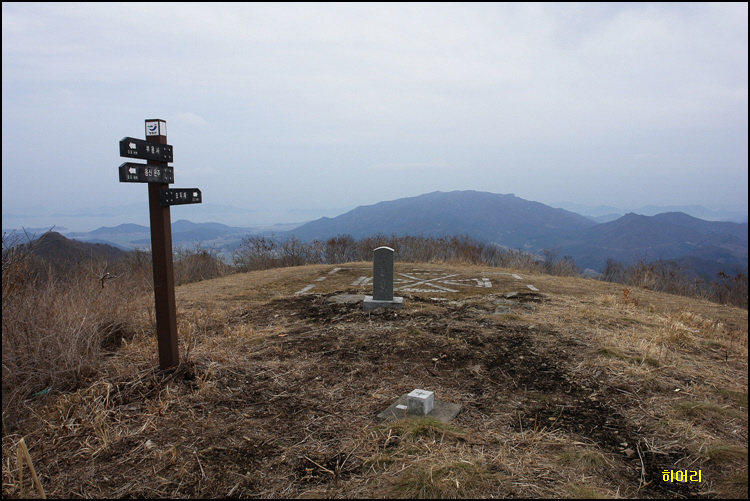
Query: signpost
159	175
145	150
180	196
142	173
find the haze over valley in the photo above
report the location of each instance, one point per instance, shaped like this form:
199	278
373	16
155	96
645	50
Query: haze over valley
701	247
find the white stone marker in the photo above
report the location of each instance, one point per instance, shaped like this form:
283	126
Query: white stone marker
420	402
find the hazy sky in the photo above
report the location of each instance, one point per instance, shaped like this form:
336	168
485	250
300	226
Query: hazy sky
295	111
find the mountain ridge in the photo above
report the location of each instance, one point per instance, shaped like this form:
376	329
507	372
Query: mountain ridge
606	213
507	220
483	215
532	226
672	235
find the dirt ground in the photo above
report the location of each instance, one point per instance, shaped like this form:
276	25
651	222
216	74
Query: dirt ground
279	390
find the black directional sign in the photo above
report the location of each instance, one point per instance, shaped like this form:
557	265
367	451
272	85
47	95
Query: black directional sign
138	148
179	196
141	173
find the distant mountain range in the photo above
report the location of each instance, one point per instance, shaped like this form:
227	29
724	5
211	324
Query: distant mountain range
520	224
607	213
706	245
184	231
699	245
221	237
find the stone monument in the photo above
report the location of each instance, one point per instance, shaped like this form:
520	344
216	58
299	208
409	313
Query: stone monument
382	281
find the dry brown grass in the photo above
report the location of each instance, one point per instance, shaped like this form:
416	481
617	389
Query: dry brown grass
579	390
58	332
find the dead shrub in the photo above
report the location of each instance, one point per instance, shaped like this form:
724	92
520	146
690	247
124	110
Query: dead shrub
57	325
198	263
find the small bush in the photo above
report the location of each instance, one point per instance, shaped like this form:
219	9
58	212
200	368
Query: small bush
340	249
256	253
198	263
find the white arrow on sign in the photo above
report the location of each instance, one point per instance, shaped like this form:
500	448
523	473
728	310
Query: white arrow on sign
132	146
132	170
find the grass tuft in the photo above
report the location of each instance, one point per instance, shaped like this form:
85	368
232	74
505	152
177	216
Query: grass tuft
635	360
440	480
698	410
583	491
734	486
582	459
726	453
738	397
423	428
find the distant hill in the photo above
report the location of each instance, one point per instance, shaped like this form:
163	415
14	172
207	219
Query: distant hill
697	211
218	236
607	213
120	229
184	231
505	219
55	248
672	235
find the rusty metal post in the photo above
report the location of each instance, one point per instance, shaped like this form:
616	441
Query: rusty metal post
161	252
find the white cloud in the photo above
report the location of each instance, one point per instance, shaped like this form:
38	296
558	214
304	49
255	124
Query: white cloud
192	119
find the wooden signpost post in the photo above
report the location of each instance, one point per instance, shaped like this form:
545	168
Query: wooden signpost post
159	175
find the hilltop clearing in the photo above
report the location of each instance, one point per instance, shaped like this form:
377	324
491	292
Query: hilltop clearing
569	388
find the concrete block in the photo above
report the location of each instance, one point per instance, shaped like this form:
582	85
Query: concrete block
420	402
371	304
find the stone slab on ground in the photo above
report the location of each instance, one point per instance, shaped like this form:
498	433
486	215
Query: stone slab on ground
371	304
346	298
